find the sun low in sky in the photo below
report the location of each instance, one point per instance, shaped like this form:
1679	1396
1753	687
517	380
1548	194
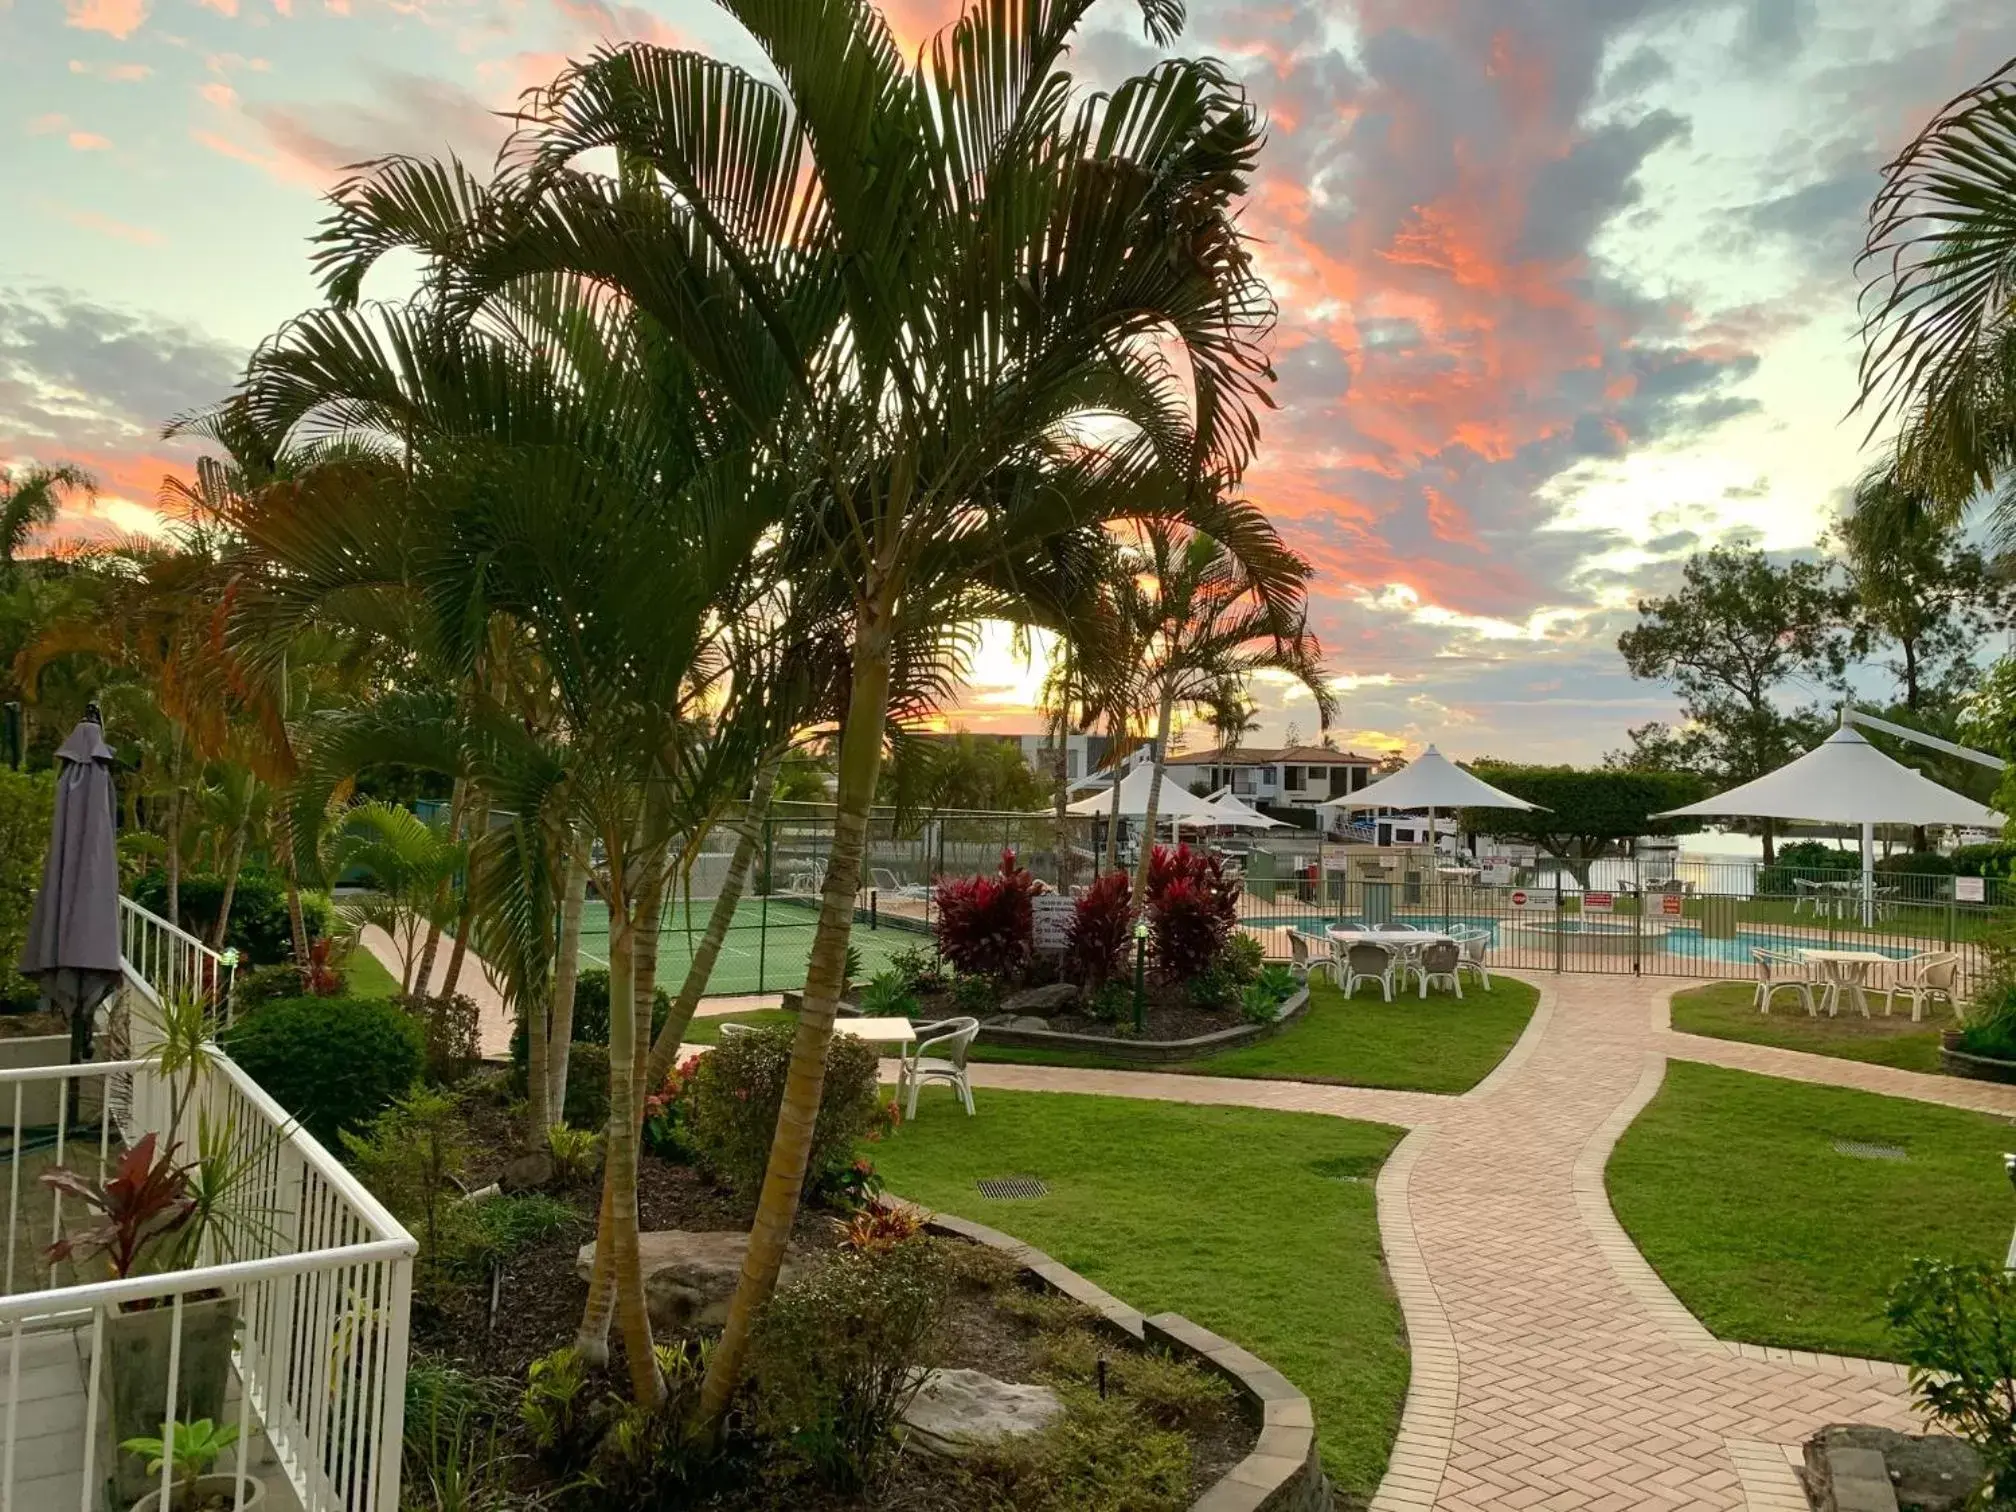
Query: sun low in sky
1566	287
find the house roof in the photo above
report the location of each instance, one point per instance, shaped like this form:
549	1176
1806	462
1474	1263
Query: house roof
1301	755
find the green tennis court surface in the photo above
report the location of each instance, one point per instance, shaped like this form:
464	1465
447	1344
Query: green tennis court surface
765	951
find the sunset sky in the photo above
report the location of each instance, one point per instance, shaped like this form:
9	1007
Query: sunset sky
1567	286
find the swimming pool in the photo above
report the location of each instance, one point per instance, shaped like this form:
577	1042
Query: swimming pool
1533	946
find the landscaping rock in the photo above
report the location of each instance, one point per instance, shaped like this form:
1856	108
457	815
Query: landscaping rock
531	1172
1932	1473
957	1411
1040	1000
689	1276
1026	1021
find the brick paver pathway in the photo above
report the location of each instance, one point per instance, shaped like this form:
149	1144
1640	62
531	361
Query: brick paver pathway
1551	1366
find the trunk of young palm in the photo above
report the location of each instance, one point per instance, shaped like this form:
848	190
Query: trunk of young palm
1118	737
644	970
559	1038
1060	764
231	870
174	829
479	825
297	920
616	1253
784	1181
458	799
698	972
1163	716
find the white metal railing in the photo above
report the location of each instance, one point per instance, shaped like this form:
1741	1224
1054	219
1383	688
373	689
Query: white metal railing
310	1281
170	960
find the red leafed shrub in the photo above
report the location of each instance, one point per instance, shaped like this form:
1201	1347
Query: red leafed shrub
1102	923
984	924
1193	910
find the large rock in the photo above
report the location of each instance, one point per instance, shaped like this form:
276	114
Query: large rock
957	1411
1041	1000
690	1275
1933	1473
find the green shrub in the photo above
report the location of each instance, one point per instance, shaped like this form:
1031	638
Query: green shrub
1243	958
1174	1393
1996	859
1215	986
1916	863
258	930
587	1102
1957	1325
409	1156
591	1016
1101	1457
835	1358
888	995
739	1086
334	1063
919	968
27	800
252	987
495	1230
449	1027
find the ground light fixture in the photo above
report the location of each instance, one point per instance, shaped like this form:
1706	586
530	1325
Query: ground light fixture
1141	978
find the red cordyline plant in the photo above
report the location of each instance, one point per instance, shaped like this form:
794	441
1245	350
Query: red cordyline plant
1193	909
147	1198
1102	923
984	926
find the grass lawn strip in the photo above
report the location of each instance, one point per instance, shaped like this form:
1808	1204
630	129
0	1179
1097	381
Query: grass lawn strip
1260	1226
1730	1185
1727	1010
368	977
1436	1045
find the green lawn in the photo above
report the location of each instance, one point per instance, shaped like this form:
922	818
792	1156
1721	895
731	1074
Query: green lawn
1726	1010
368	976
1730	1185
1440	1045
1260	1226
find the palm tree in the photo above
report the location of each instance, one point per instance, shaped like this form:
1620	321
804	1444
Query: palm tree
406	859
1207	626
1940	332
31	499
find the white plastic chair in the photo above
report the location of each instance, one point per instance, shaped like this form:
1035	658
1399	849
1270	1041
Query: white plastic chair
884	880
1309	953
1473	943
1781	971
1369	962
952	1039
1930	976
1806	893
730	1031
1438	961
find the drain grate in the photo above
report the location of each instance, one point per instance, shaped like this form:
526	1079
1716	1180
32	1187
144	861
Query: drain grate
1000	1187
1347	1168
1869	1151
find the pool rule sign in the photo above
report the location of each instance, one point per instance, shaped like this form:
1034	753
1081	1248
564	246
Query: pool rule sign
1050	923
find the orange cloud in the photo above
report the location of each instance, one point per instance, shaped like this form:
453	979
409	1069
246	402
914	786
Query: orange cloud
89	141
114	73
42	125
104	225
115	18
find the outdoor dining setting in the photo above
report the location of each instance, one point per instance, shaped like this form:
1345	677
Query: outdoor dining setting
1834	973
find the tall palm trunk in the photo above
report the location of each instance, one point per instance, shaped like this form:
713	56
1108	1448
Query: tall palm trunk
458	800
231	870
1118	737
557	1048
479	825
290	866
1060	764
784	1181
748	841
1163	715
644	970
174	828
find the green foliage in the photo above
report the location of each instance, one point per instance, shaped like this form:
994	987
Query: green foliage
408	1155
1956	1325
1584	814
974	996
647	1458
919	968
1243	958
591	1016
334	1063
554	1407
1100	1457
964	771
452	1461
194	1449
1261	999
490	1232
888	995
1112	1002
1914	863
577	1153
27	800
586	1105
258	929
836	1356
1213	987
738	1088
255	986
1991	1028
1171	1392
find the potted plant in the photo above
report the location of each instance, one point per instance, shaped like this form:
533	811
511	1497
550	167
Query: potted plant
1985	1049
191	1452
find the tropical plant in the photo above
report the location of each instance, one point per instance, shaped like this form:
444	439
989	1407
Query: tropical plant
30	500
333	1063
191	1448
576	1153
985	922
738	1087
888	995
1101	929
145	1200
1939	334
408	861
1956	1324
409	1155
1193	910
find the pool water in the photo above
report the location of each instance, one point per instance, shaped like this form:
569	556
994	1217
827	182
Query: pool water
1684	940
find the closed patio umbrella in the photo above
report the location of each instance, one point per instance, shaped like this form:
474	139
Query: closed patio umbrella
73	933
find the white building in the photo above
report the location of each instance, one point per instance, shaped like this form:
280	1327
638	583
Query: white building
1287	776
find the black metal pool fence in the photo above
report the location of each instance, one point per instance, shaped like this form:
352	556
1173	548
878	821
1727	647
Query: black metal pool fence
1651	916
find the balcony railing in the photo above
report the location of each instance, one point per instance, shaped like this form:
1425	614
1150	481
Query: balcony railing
289	1322
170	960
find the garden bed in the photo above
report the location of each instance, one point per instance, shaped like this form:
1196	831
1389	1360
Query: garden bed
1174	1032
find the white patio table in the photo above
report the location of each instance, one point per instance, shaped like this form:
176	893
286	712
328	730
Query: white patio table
880	1031
1846	971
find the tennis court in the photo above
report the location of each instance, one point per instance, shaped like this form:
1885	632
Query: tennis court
765	950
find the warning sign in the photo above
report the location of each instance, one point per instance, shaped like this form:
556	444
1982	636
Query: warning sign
1599	902
1672	905
1970	889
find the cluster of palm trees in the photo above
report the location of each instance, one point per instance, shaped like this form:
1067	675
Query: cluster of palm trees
726	409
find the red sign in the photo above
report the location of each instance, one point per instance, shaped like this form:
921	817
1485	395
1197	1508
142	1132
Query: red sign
1672	904
1598	902
1518	900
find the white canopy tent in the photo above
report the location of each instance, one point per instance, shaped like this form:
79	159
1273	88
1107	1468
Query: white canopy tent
1236	813
1430	781
1845	780
1175	802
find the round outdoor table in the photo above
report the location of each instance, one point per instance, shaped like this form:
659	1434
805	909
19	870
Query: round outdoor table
1847	971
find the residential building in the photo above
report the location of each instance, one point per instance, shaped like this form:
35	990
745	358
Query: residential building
1082	753
1287	776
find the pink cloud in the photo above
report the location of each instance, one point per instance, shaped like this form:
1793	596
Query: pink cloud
104	225
42	125
116	18
222	7
113	73
221	95
89	141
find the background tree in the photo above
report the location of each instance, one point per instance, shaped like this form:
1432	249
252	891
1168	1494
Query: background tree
1740	634
30	500
1589	814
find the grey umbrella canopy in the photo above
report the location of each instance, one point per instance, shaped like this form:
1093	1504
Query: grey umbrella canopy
73	934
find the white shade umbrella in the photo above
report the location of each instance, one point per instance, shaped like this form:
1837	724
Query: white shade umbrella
1845	780
1237	813
1431	781
1174	802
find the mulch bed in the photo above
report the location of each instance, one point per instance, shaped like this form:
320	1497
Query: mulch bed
1170	1016
32	1025
537	1303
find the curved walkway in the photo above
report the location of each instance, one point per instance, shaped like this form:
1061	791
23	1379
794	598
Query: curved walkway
1551	1366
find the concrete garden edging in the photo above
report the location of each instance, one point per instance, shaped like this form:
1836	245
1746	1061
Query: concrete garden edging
1281	1473
1152	1052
